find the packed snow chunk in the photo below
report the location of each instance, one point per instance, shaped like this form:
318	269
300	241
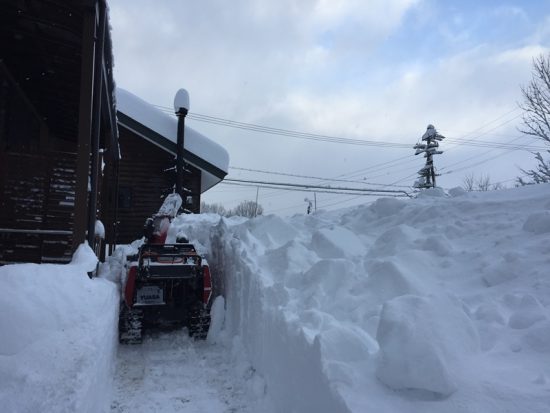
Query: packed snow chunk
457	191
344	349
527	312
327	276
395	239
432	193
347	344
336	242
508	268
99	229
271	230
438	245
538	337
538	223
171	205
385	281
385	207
289	259
85	258
422	343
217	319
490	313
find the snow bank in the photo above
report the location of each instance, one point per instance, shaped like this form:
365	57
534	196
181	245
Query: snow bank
58	337
428	305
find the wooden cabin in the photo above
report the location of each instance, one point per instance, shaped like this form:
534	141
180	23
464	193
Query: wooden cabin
147	139
58	134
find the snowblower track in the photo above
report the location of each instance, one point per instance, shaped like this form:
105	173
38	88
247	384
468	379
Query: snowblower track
171	372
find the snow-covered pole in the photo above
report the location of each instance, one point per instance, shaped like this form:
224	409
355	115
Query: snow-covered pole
256	206
181	107
429	148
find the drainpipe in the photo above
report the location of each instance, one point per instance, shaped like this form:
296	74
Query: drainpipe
96	121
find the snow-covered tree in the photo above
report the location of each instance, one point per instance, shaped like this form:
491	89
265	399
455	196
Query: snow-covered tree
483	183
536	119
213	208
469	182
249	209
429	147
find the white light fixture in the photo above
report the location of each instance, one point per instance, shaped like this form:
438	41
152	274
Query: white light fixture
181	100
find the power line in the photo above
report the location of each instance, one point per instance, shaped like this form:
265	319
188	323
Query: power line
491	121
281	185
508	146
477	156
286	132
386	165
312	177
335	139
338	191
341	202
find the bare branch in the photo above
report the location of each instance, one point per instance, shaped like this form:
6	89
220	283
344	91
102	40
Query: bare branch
536	119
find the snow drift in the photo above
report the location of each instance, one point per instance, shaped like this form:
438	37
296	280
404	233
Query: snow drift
58	337
433	304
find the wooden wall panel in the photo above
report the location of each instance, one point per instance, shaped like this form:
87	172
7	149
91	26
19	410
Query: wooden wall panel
36	207
142	170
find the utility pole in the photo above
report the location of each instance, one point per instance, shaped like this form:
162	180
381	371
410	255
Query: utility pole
429	147
256	206
315	201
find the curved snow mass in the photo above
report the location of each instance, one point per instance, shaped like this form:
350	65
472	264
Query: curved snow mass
58	337
167	126
428	305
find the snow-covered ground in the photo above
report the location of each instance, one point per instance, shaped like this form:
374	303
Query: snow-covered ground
171	373
436	304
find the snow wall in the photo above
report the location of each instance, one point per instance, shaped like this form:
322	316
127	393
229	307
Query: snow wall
288	363
58	337
433	304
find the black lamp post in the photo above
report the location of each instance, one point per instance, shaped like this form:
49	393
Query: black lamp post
181	107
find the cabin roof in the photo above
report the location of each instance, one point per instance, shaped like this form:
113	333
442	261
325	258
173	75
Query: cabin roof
160	128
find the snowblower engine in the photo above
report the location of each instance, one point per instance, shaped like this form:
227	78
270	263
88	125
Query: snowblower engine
167	285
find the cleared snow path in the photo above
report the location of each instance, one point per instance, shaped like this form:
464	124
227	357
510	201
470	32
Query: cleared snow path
170	372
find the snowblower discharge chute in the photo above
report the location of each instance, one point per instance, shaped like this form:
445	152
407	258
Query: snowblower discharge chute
167	285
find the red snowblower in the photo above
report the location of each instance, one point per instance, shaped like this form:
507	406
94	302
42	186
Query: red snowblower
167	285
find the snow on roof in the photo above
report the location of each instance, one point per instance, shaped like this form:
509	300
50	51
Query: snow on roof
212	159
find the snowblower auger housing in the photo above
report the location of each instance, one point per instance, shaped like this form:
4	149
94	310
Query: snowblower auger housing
167	285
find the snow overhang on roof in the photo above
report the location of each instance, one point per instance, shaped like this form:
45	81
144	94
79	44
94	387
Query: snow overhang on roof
161	129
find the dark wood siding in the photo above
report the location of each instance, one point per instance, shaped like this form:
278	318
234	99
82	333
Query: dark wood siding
36	208
144	180
47	54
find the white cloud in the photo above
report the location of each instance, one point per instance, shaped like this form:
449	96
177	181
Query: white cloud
250	50
508	11
456	93
285	64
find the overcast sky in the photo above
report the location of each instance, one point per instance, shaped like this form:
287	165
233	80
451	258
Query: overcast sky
377	70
